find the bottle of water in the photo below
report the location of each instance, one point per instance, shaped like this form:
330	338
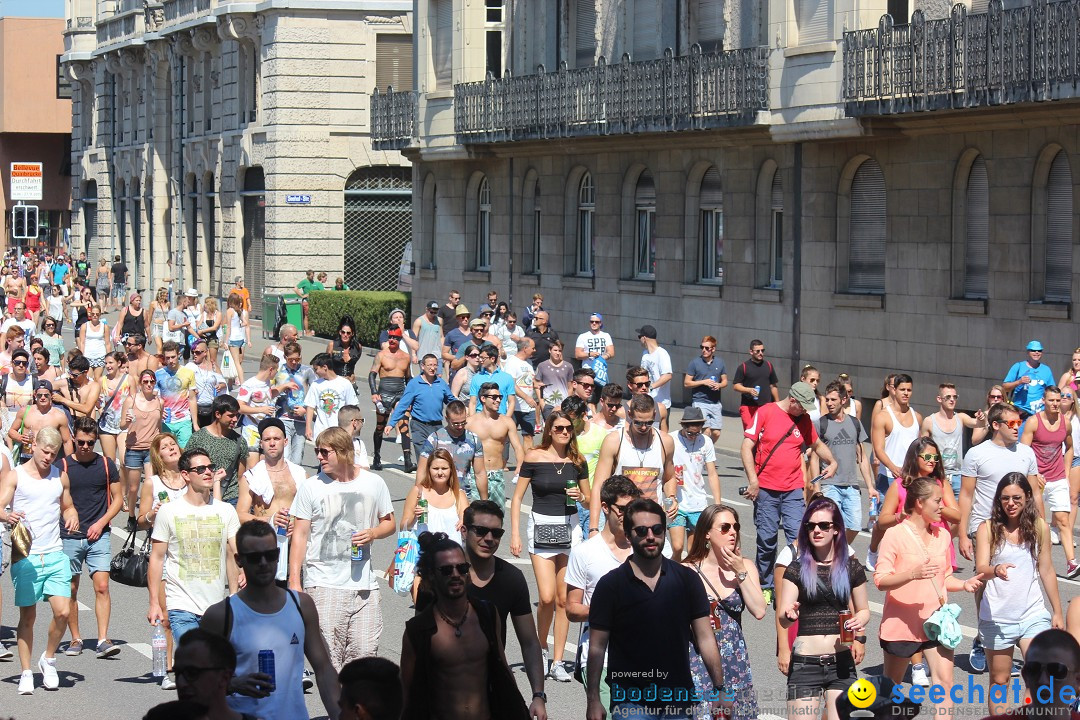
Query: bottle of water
380	407
159	646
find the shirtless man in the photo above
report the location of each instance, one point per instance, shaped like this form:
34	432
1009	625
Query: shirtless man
446	645
138	358
609	411
78	394
267	490
16	388
15	288
390	370
41	414
495	431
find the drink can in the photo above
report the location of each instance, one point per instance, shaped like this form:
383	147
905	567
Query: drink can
423	505
357	553
283	531
847	636
679	474
570	485
163	497
266	665
757	391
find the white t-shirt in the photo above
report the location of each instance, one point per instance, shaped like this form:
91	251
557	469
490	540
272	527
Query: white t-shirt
327	397
360	456
26	325
195	577
590	341
657	363
337	510
693	457
256	392
988	462
523	374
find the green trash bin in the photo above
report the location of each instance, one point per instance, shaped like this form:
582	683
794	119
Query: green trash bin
269	314
294	310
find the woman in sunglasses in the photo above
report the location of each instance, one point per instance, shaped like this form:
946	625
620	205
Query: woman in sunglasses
994	396
345	349
462	381
142	419
445	502
915	576
52	341
559	477
1012	550
732	585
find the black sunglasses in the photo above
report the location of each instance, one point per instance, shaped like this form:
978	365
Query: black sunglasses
270	556
643	530
85	443
448	570
492	397
200	469
482	531
822	526
1058	671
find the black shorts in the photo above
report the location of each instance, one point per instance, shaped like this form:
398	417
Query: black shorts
811	675
526	421
906	648
391	390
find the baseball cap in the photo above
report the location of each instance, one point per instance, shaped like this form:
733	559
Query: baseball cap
433	305
647	331
1034	345
462	310
43	385
269	423
804	395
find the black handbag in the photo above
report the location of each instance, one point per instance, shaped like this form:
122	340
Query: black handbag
131	565
551	537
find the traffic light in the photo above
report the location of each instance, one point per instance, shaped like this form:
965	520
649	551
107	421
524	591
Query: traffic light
24	222
32	221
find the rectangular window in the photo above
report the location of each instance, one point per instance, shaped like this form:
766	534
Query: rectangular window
442	44
393	62
63	85
645	255
712	245
535	260
776	250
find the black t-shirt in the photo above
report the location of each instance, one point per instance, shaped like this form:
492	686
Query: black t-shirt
543	342
819	616
119	272
82	269
448	315
548	483
507	590
649	629
90	491
750	374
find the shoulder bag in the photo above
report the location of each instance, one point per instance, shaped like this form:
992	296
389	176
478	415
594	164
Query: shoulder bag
131	566
761	468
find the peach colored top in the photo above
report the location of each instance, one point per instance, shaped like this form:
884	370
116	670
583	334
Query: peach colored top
910	605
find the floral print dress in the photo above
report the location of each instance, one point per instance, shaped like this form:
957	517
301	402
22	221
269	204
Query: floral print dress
739	685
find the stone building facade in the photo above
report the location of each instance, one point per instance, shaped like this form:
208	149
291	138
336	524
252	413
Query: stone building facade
862	195
212	139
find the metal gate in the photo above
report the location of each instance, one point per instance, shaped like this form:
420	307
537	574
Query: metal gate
378	226
255	237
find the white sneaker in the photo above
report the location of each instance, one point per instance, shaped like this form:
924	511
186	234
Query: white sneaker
26	682
559	673
5	654
871	560
919	676
168	683
1055	538
49	679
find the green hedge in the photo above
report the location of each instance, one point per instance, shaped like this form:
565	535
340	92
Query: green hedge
370	310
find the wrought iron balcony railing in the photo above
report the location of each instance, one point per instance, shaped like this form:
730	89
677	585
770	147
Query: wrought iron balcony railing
1023	54
691	92
393	118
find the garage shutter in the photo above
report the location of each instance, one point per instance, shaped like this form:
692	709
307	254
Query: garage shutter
393	62
866	260
710	25
815	21
977	222
646	31
1059	210
585	32
442	46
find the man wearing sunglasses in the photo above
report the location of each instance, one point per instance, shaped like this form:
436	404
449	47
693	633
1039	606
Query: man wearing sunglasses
756	381
137	357
495	432
423	399
496	581
594	343
639	383
466	448
192	531
33	418
265	616
78	394
457	336
1051	673
543	335
705	377
595	558
670	595
16	387
490	373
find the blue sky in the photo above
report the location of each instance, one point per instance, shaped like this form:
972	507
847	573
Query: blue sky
32	8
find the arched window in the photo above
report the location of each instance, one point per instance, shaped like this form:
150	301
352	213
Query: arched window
585	209
483	226
776	233
977	232
1059	213
711	203
645	233
866	230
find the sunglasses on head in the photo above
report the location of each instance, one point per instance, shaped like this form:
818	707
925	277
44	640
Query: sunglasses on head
1058	671
644	530
483	531
822	526
269	556
448	570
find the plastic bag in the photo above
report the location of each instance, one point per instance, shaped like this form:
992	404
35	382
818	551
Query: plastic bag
403	571
228	369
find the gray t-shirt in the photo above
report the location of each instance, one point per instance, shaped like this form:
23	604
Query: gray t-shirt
842	438
556	381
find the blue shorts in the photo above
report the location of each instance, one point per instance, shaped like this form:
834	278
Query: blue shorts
1005	636
182	621
181	430
135	459
97	555
849	500
1076	462
119	290
237	343
41	576
954	479
686	519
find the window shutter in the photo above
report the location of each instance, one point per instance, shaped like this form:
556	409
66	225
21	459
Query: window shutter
1059	209
393	62
585	31
977	243
777	192
712	195
645	194
866	259
443	43
710	25
646	31
815	21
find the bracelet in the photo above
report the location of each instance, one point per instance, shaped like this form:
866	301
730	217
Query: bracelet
592	530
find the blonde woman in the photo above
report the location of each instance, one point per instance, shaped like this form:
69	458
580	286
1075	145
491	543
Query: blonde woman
159	312
115	388
141	418
102	281
94	341
236	319
210	321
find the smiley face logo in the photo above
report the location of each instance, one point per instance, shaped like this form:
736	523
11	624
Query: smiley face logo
862	693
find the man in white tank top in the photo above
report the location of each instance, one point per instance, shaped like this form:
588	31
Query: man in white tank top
892	433
264	616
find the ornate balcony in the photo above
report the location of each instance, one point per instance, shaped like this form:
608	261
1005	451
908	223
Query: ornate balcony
180	10
1001	57
393	119
120	27
692	92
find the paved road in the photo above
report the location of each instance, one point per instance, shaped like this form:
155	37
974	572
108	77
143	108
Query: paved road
120	688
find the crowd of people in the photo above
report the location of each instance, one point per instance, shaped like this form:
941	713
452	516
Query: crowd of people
625	517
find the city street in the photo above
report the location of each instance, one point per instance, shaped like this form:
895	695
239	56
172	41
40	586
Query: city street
124	682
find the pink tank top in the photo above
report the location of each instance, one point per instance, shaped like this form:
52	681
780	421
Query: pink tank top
1049	448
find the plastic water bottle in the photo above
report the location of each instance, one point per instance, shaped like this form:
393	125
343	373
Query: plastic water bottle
380	407
757	391
159	646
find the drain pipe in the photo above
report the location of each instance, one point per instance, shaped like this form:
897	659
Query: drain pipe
796	258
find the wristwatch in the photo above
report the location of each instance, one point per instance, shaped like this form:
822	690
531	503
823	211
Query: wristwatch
740	576
540	694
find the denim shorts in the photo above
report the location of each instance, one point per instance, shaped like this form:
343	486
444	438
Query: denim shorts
97	555
809	676
686	519
849	500
237	343
135	459
1004	636
182	621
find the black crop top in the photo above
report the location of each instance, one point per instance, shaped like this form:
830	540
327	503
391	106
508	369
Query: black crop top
549	486
819	616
